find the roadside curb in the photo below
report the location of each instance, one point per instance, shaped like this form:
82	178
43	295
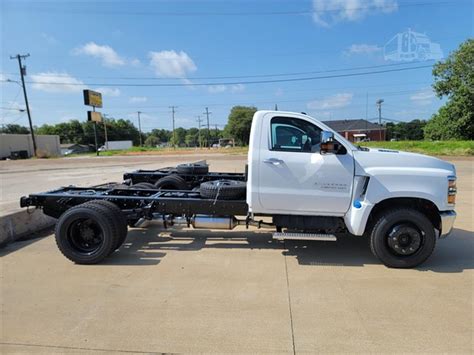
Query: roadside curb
17	225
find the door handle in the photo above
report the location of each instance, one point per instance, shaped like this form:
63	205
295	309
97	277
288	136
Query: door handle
273	161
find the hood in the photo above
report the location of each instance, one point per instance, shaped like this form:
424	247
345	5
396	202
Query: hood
373	159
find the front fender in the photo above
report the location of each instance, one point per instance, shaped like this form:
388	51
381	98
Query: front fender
385	183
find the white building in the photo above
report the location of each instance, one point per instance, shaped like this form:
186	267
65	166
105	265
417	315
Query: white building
13	144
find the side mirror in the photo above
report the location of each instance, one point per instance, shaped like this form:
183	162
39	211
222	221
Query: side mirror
328	144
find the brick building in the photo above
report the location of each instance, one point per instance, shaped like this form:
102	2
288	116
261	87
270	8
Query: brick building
358	130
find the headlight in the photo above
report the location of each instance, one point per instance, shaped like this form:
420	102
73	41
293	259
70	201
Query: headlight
452	190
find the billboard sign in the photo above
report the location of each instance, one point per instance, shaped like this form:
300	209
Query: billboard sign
93	116
92	98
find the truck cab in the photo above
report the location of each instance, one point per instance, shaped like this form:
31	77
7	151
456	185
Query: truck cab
308	177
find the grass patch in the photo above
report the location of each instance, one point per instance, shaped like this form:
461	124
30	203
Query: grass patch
447	148
450	148
166	151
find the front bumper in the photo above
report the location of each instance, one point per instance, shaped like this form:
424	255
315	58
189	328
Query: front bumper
447	222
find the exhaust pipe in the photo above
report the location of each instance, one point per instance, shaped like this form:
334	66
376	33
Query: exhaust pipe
201	221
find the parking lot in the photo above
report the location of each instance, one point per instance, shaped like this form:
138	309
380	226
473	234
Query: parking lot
174	291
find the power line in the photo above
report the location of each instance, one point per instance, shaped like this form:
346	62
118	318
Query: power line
237	82
13	109
295	12
245	76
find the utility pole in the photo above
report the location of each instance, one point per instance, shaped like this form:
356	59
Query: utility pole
366	114
105	131
199	130
139	127
379	103
22	74
207	113
173	111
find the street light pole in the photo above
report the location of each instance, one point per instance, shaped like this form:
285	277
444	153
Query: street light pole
379	103
22	74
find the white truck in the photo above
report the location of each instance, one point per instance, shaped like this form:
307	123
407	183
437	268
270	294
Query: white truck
307	179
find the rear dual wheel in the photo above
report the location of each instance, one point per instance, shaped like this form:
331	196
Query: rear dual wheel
88	233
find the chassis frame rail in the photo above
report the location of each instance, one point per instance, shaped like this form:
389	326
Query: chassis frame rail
134	203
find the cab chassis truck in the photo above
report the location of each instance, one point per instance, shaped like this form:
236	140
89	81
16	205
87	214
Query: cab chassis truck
307	179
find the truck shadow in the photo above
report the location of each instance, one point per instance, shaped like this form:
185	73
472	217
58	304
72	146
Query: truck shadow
149	246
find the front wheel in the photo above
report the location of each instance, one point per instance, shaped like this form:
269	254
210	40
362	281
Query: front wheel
402	238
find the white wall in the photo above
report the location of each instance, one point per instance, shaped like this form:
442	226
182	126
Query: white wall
14	142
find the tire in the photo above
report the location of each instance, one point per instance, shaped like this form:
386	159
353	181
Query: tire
171	182
143	185
402	238
192	169
87	233
119	219
223	189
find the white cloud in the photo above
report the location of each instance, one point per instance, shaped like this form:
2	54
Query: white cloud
423	97
215	89
328	12
106	91
171	64
137	99
362	49
15	105
48	38
107	54
331	102
135	62
46	81
324	115
235	88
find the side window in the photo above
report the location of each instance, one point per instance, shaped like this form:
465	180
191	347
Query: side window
294	135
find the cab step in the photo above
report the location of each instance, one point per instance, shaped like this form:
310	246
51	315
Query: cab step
304	236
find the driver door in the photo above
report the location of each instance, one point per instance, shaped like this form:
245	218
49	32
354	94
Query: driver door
295	178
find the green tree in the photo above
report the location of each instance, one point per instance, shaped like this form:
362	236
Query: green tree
239	123
14	129
454	79
412	130
162	134
192	137
152	141
179	137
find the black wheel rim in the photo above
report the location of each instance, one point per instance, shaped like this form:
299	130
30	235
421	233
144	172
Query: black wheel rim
85	236
404	239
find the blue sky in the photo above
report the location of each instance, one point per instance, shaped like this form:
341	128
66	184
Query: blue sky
109	45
